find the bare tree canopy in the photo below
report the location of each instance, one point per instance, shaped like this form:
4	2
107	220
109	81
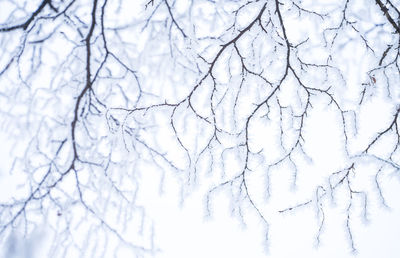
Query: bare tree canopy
104	100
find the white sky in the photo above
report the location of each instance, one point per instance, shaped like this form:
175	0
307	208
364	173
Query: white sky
182	228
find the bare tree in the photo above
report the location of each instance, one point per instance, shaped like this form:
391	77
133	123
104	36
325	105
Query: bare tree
230	95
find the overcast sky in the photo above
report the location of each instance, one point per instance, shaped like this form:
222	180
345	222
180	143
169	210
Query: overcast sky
205	129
